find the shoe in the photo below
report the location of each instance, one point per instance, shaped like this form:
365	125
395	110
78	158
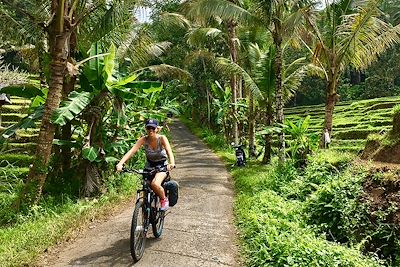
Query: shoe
164	204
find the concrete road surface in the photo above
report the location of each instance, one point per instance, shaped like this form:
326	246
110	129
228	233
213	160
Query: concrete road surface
198	231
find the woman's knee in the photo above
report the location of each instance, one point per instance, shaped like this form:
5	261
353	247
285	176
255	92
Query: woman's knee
155	184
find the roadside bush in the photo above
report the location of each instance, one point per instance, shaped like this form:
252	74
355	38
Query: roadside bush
215	140
273	234
333	204
323	167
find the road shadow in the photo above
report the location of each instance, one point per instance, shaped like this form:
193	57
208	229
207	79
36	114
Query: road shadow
118	254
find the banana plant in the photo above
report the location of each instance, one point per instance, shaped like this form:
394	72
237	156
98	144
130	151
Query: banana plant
302	143
102	86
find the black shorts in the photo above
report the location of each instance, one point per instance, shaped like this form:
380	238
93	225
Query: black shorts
161	165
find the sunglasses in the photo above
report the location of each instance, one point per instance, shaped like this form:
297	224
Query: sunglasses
150	128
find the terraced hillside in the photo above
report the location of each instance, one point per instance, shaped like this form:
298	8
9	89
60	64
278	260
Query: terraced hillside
16	153
352	121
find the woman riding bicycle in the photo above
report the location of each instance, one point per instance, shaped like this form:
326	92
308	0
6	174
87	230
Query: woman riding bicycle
157	149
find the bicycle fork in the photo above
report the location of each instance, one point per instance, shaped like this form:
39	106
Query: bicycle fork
146	209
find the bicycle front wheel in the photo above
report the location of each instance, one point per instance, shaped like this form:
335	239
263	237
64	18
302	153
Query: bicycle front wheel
138	231
157	223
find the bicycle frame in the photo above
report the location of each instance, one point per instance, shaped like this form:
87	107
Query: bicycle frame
146	205
147	195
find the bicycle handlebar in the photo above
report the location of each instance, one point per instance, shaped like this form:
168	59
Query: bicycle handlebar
150	171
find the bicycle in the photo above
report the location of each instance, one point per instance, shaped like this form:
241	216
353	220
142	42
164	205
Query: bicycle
147	211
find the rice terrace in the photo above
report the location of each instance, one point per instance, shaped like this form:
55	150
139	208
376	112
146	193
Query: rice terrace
200	133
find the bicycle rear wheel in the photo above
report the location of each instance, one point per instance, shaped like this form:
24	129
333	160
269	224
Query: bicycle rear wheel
157	223
138	231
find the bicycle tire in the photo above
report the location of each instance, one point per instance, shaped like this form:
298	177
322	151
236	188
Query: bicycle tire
138	239
157	223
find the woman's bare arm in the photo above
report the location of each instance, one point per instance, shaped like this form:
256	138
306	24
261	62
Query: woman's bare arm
130	153
167	146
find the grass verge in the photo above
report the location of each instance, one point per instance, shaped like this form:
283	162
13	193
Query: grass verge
49	223
269	210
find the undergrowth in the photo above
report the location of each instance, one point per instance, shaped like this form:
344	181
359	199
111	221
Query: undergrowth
282	216
25	235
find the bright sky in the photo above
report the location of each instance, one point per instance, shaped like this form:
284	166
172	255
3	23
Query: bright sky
143	14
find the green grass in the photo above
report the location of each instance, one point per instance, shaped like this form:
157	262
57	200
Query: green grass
351	120
269	206
53	221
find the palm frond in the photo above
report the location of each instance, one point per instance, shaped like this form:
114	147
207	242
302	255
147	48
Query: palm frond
174	20
167	72
204	55
140	48
203	10
106	21
202	36
292	80
228	67
365	37
10	76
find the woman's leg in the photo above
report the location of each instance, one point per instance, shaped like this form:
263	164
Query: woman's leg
156	184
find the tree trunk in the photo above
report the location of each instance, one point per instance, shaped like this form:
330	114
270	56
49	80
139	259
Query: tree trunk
268	137
208	108
252	124
355	77
279	98
66	132
331	99
396	124
234	81
58	38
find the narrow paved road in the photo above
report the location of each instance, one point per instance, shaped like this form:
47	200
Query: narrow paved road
198	231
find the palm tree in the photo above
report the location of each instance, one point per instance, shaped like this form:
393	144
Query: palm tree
59	21
348	32
283	19
205	10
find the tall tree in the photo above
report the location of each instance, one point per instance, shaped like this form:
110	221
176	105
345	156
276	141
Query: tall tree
228	12
283	18
59	20
348	32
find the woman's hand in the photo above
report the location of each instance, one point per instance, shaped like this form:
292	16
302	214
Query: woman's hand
119	167
170	166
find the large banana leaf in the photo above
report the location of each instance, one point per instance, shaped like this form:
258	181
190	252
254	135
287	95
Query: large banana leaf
70	108
26	122
109	64
23	90
147	87
90	153
126	80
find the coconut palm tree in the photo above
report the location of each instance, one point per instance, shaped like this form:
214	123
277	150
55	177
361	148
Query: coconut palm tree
281	18
284	20
348	32
227	12
58	21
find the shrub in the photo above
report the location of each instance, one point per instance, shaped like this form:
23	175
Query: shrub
15	160
323	167
273	235
332	204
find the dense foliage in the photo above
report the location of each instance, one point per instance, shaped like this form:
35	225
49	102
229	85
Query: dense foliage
84	75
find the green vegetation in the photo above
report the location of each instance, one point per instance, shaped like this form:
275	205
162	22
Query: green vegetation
288	217
353	121
53	221
89	73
